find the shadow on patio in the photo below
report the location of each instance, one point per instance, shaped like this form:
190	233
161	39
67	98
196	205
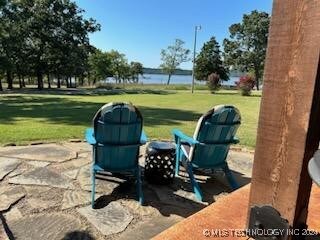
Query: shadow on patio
176	198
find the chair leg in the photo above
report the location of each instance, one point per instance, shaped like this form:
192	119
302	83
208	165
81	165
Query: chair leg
139	185
178	157
195	185
232	181
93	188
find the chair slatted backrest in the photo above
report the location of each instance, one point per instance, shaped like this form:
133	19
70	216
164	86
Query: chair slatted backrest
215	131
117	130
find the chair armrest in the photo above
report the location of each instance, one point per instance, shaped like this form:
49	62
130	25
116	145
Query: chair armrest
235	140
178	134
143	138
89	136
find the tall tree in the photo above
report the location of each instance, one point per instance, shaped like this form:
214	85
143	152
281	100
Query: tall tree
100	65
2	57
65	32
136	69
119	65
11	38
50	35
209	61
246	48
173	56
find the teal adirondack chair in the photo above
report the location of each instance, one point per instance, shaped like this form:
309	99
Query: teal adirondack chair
209	147
116	137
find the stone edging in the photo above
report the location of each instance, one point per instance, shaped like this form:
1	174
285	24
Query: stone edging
233	148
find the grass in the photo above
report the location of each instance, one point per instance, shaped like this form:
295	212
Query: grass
32	117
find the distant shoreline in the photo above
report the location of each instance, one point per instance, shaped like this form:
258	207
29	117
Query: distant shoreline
162	79
184	72
159	71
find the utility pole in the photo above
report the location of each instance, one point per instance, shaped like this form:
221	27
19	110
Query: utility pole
196	29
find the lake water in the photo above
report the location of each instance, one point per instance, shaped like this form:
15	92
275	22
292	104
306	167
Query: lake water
175	79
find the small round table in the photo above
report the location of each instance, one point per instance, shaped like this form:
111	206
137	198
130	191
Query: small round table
160	161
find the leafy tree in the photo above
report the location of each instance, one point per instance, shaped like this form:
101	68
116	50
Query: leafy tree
10	41
58	27
209	61
246	48
100	65
136	69
173	56
2	58
119	65
124	72
51	36
113	64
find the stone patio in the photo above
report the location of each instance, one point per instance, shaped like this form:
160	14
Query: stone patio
45	194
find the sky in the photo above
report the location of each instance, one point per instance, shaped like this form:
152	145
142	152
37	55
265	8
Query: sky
141	28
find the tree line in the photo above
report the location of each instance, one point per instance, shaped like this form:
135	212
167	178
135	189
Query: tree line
112	64
48	39
244	50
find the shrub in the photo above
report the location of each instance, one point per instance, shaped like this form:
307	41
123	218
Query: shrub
245	85
213	82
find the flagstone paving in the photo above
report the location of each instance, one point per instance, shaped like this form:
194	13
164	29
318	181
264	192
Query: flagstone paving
102	186
13	214
38	163
44	226
3	235
36	191
43	152
37	205
75	198
17	172
42	176
7	165
150	228
10	196
45	193
80	147
71	173
108	220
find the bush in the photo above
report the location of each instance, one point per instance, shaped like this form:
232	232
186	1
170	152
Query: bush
213	82
245	85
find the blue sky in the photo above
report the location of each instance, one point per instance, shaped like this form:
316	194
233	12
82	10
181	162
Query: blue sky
141	28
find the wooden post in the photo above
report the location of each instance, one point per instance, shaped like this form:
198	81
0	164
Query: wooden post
289	122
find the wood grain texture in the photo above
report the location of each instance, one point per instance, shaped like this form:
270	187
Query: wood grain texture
289	129
229	213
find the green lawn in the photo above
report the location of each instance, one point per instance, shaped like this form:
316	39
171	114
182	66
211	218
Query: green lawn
32	117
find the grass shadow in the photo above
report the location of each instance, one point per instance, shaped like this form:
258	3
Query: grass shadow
73	112
130	91
87	91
